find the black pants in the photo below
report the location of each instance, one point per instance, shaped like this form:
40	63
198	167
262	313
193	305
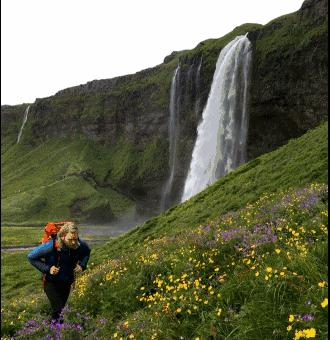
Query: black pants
57	293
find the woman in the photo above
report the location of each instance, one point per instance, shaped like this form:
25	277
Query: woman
59	261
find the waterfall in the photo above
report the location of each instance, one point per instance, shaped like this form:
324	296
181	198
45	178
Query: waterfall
197	86
173	138
24	121
221	136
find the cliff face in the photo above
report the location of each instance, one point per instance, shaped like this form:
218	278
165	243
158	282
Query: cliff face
288	92
129	115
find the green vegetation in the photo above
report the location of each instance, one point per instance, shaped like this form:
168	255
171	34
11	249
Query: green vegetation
48	182
296	164
290	36
20	236
244	259
14	236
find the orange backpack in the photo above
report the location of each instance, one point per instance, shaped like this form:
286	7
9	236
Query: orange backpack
50	232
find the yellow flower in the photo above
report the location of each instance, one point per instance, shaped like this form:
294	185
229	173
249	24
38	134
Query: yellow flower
289	328
178	310
322	284
310	333
131	336
277	251
305	333
324	303
269	269
257	274
291	318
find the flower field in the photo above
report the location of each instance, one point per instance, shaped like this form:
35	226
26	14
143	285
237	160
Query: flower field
259	272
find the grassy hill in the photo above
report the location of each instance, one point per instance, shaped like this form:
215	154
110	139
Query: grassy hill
52	181
244	259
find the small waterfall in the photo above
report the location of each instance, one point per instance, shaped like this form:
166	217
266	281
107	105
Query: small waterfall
173	138
221	141
197	86
24	121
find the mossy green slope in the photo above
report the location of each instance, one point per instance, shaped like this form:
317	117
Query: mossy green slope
52	181
301	161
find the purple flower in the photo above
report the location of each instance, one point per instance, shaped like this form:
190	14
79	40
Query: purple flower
307	317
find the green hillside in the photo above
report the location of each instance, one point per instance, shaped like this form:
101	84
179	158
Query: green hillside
244	259
52	181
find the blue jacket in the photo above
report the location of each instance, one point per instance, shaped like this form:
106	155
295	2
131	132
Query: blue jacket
45	256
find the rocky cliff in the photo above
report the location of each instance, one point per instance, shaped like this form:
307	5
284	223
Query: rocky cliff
128	116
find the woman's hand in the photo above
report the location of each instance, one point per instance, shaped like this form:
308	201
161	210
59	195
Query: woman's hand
78	269
54	270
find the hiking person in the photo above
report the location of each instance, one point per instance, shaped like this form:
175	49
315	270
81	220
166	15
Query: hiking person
59	260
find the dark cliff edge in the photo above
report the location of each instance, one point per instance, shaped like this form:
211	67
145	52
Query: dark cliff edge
122	123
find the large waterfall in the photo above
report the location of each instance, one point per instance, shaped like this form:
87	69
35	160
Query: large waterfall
173	138
221	140
24	121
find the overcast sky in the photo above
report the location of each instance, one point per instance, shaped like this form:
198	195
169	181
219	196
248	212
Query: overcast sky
49	45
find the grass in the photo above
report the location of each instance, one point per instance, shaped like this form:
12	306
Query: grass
20	236
244	275
33	194
245	259
301	161
15	236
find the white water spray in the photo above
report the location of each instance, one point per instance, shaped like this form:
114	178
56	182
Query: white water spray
197	85
24	121
221	141
173	138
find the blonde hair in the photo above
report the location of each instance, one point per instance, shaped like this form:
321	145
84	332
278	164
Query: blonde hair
68	227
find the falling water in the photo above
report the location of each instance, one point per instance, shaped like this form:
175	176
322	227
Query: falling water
221	141
24	121
197	86
173	138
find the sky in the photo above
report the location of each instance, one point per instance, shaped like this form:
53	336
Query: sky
49	45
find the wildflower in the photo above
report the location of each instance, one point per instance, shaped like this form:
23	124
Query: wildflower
257	274
277	251
305	333
307	317
289	328
322	284
291	318
269	269
178	310
324	303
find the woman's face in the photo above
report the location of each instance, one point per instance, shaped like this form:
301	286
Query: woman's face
71	240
